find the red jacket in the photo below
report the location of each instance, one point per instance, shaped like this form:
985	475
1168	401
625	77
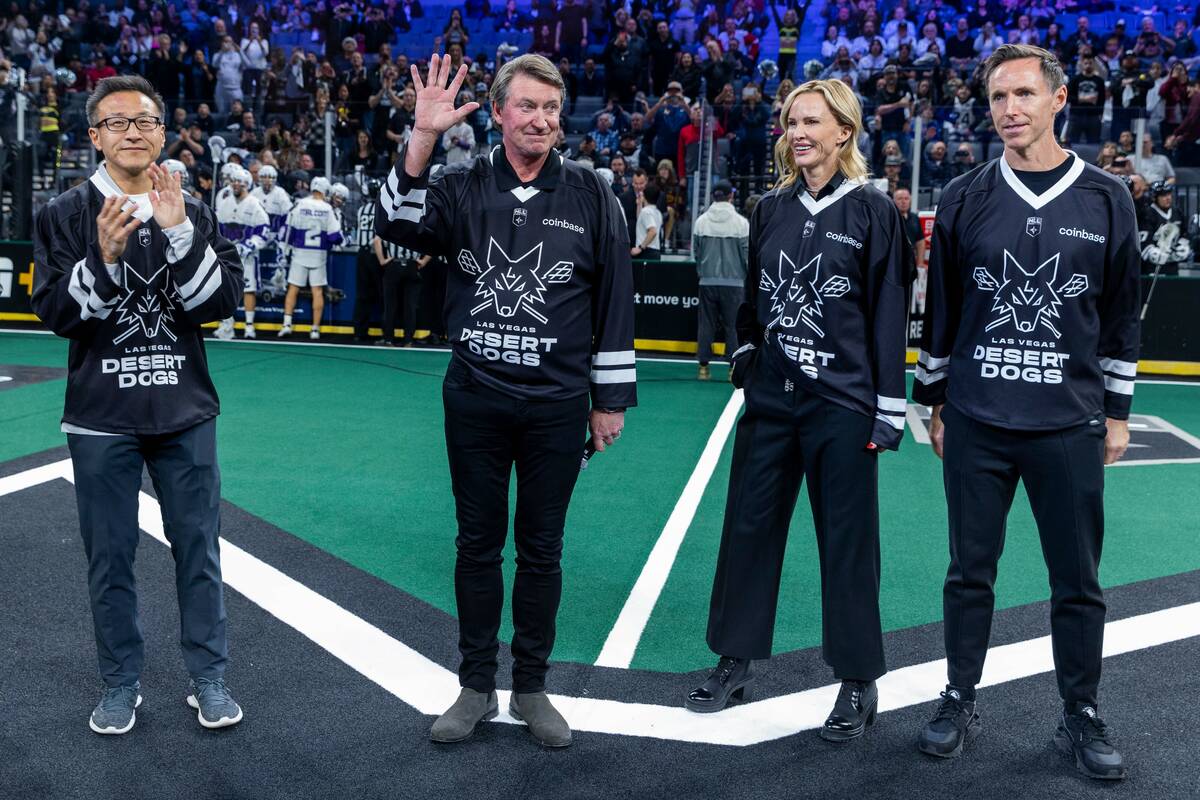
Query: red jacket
689	135
1189	129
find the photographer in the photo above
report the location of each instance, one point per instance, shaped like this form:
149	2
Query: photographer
668	117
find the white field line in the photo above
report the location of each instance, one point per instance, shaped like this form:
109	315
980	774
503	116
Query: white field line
626	632
430	688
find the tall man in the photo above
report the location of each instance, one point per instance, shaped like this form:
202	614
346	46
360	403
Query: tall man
722	250
539	304
1028	359
128	269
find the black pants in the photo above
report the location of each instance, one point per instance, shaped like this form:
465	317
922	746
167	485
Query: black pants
368	291
108	477
788	435
487	432
401	298
1063	473
1085	127
718	308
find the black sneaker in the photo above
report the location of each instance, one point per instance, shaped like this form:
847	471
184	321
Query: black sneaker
729	681
952	729
1084	736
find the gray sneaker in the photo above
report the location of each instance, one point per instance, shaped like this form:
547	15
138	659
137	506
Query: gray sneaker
543	719
214	704
459	721
115	713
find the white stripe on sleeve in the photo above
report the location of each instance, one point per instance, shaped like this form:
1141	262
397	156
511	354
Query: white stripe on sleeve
82	287
614	375
895	422
1126	368
930	362
924	377
613	358
890	403
189	288
1117	385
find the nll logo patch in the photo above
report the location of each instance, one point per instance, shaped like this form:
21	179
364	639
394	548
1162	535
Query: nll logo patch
520	215
1028	298
809	227
795	298
144	237
1033	226
511	286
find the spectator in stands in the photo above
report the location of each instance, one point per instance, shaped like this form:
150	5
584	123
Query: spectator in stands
571	30
1185	48
256	50
1155	167
1106	155
891	173
622	68
1125	143
902	197
1083	35
668	117
632	200
833	42
1086	94
893	103
687	74
664	54
936	171
620	170
1055	42
930	37
987	41
647	241
1023	32
872	62
590	83
357	82
587	150
688	157
964	160
362	154
750	151
1129	87
671	195
960	48
842	67
1174	97
718	70
606	139
1150	43
477	9
511	20
1183	140
788	30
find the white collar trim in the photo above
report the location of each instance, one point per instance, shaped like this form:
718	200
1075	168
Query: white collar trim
108	187
1164	214
1039	200
817	206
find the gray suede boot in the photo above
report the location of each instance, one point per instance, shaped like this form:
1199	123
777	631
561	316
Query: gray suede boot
544	721
459	721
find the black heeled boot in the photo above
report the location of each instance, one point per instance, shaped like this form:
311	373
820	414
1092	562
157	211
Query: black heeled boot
730	680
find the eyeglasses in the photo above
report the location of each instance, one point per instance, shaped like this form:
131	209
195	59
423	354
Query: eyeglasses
121	124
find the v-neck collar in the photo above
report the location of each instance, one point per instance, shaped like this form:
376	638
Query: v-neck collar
507	180
838	187
1039	200
1165	214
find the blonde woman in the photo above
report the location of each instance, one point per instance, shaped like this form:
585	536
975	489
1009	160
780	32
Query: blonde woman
822	365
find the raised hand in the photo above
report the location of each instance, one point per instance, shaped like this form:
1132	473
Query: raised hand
435	112
166	198
113	227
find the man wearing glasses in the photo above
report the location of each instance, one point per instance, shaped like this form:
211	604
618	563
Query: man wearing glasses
128	269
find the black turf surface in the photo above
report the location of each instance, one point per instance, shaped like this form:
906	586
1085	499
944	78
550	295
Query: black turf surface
316	729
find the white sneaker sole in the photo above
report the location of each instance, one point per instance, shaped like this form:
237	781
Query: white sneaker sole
223	722
116	731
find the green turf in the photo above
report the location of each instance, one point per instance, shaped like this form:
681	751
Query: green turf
344	448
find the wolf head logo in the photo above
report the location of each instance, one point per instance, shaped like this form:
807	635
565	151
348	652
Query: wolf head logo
1029	299
145	306
795	298
512	286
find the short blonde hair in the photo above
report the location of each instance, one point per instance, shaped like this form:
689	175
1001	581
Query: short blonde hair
846	110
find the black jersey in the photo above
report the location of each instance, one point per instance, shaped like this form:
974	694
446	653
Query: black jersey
539	296
1032	300
137	363
827	287
1163	237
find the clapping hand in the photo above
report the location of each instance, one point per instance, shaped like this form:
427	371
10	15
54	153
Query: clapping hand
166	198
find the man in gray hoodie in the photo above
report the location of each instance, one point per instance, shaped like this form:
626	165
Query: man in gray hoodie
722	251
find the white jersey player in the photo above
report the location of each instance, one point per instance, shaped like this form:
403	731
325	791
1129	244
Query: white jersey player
227	170
274	199
311	232
242	220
